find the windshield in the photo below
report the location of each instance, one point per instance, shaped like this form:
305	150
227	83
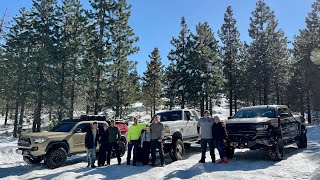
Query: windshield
256	112
170	116
63	127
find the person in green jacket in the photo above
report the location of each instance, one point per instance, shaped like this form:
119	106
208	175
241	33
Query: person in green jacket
133	136
114	138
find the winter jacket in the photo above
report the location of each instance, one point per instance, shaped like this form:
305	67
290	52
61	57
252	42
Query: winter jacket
219	131
103	136
145	137
134	132
157	130
114	134
89	139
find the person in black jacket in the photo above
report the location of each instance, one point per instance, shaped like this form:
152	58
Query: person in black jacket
103	142
91	140
219	135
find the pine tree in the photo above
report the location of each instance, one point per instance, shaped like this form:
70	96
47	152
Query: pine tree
178	56
122	39
263	31
170	87
152	81
229	36
305	43
204	68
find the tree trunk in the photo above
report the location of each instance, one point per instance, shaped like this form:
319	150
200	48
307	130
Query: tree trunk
235	101
7	113
210	105
16	113
72	95
21	116
37	114
182	101
118	104
309	106
202	105
207	102
61	98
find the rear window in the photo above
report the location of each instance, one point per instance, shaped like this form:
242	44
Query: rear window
256	112
170	116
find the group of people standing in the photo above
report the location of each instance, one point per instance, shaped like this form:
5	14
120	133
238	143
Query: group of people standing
148	138
107	138
140	135
213	132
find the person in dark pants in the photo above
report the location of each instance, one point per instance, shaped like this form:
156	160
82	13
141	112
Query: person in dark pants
205	125
146	145
114	138
133	137
103	141
219	136
157	135
91	141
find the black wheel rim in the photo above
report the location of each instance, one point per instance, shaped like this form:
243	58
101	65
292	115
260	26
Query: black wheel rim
56	158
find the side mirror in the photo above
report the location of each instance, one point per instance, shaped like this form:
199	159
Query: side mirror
284	115
78	130
230	117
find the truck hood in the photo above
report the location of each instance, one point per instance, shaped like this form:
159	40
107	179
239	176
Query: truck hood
247	120
45	134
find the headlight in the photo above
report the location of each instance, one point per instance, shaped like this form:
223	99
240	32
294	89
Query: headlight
166	130
261	127
40	140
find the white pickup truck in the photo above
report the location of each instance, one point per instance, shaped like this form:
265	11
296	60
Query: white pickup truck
180	130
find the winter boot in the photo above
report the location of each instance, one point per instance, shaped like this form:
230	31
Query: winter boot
202	160
225	160
221	161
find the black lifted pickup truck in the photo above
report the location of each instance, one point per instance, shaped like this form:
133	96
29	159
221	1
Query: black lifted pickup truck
267	127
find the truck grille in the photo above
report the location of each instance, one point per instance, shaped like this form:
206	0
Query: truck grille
244	132
24	142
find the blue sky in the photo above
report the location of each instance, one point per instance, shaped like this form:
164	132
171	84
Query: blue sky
157	21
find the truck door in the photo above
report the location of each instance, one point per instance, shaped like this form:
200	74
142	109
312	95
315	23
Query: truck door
293	126
285	124
191	124
78	138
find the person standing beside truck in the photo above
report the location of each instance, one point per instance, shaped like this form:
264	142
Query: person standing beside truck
219	135
133	136
204	130
103	141
114	138
146	144
157	135
91	140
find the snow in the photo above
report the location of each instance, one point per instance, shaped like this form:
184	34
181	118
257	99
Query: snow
298	164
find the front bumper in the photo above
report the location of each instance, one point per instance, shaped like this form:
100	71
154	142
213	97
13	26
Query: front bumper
31	152
252	144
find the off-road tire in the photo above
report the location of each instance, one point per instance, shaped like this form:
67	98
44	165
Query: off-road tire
303	141
177	150
35	160
122	149
276	152
55	158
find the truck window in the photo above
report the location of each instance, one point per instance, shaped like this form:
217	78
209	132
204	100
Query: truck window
170	116
84	127
286	110
187	116
256	112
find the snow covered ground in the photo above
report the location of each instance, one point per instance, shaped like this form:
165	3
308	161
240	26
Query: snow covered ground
298	164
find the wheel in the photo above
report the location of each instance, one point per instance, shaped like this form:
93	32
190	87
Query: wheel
276	152
33	160
122	149
177	150
229	152
303	141
55	158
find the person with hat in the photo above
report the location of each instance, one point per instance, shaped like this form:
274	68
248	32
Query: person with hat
146	145
113	140
205	125
133	137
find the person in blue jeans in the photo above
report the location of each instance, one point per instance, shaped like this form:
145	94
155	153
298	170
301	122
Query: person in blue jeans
204	129
219	136
91	140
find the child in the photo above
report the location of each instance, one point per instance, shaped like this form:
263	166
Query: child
219	135
91	144
145	145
